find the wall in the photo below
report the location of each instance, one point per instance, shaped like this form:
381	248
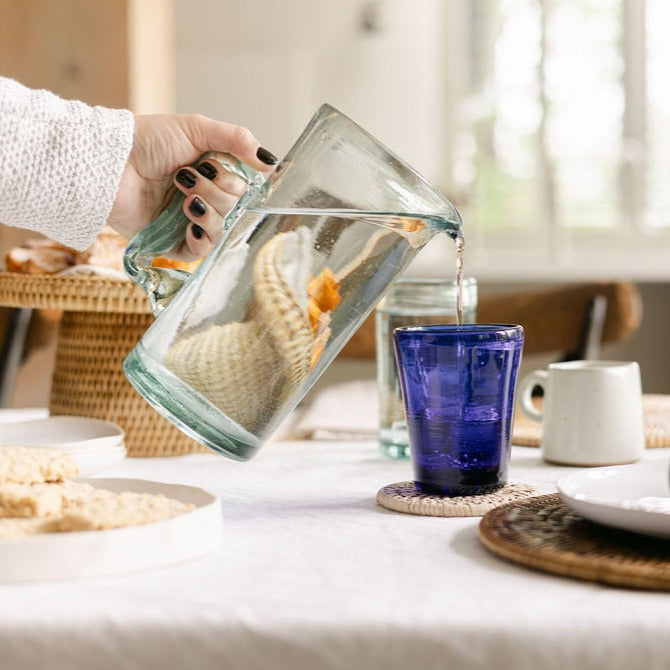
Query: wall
270	65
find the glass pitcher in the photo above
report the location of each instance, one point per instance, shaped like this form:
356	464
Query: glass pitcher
306	254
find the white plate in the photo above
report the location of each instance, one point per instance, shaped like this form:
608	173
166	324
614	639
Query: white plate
62	432
8	415
52	556
630	497
94	462
74	448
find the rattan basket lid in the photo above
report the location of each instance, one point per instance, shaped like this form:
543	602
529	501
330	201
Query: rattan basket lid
545	534
656	408
78	293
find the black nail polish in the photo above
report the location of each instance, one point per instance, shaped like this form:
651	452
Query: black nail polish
207	170
185	178
267	157
197	231
197	207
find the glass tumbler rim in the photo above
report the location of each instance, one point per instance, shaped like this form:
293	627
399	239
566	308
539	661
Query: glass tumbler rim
452	331
429	296
432	281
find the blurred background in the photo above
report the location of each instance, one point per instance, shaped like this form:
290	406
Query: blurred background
547	122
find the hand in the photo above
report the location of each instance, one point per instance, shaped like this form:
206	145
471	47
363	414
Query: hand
161	145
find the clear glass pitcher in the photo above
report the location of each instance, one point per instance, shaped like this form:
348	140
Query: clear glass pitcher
305	256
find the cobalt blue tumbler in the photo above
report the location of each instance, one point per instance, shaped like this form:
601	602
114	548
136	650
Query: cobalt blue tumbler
458	385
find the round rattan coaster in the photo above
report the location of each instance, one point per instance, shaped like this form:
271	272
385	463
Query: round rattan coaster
405	497
656	408
545	534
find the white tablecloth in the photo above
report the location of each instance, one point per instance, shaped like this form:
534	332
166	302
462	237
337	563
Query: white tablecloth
313	574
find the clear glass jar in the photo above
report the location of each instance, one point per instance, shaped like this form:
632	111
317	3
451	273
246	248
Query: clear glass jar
410	302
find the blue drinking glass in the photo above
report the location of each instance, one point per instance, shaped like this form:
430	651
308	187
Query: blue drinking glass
458	385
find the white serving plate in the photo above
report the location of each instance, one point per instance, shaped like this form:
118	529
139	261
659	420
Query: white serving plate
629	497
8	415
62	432
58	556
74	448
95	462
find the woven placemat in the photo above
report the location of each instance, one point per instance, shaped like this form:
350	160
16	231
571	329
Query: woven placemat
545	534
405	497
656	408
72	293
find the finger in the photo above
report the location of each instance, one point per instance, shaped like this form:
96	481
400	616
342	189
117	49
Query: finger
197	242
212	170
203	232
210	135
206	216
195	245
190	182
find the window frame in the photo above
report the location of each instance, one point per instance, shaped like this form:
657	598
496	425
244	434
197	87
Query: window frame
629	250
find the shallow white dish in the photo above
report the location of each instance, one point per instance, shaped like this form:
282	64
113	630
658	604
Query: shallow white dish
57	556
629	497
75	448
23	414
62	432
94	462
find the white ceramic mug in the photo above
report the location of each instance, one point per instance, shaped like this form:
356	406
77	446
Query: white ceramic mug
591	413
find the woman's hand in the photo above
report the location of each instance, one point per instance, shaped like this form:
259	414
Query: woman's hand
164	143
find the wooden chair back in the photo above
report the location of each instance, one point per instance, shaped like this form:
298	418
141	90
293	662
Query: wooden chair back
561	319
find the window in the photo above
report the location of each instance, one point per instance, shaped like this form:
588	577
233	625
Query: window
560	157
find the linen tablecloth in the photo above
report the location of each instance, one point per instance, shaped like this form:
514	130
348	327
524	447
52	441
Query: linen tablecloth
313	574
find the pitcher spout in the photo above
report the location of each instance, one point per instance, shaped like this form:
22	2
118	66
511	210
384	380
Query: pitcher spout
449	222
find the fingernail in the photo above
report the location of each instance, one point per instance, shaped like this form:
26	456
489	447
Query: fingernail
197	231
207	170
185	178
197	207
267	157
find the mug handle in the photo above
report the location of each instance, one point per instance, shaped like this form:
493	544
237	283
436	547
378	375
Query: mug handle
168	229
528	383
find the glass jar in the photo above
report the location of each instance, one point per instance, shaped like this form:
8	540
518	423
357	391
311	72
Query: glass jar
410	302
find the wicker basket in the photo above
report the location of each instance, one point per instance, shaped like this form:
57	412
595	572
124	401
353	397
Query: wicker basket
102	321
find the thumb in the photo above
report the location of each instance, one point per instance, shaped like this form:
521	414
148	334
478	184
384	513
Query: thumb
210	135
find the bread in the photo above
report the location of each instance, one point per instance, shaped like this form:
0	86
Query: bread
102	510
38	496
40	257
33	465
18	501
105	252
14	528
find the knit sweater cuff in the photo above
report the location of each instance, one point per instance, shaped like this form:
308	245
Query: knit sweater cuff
60	163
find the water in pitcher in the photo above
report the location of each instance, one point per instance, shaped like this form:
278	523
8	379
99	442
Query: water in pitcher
295	286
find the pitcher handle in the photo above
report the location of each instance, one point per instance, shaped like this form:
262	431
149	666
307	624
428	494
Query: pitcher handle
168	229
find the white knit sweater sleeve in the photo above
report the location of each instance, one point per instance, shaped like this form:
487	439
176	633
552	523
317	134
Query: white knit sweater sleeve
60	162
